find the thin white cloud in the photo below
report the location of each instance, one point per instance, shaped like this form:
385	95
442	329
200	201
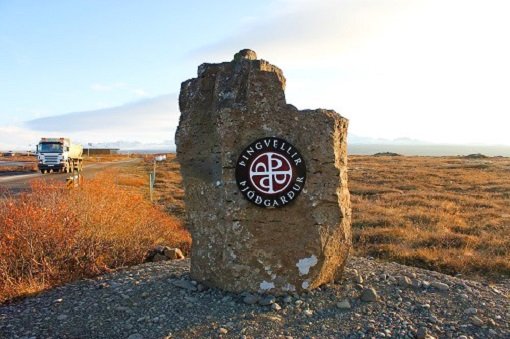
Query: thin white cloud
149	120
299	32
97	87
150	123
434	70
139	92
427	69
119	86
17	138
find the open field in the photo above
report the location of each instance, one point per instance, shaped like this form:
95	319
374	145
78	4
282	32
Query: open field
108	157
448	214
168	190
17	165
25	158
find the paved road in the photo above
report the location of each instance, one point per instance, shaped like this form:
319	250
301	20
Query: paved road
14	163
21	182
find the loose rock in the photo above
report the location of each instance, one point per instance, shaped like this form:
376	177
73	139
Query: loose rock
343	305
308	312
155	308
416	283
476	321
267	300
471	310
404	281
358	279
369	295
185	284
440	286
422	333
287	299
251	299
173	253
276	307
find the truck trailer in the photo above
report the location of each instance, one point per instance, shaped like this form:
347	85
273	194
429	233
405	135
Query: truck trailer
59	155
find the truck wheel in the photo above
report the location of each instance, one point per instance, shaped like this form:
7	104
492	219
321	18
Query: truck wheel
43	171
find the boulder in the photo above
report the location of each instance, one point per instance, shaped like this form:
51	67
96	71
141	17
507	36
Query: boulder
162	253
173	253
276	231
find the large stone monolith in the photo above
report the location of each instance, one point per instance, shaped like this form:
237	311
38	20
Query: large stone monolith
265	184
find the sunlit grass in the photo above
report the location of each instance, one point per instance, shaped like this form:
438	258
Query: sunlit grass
51	235
447	214
443	213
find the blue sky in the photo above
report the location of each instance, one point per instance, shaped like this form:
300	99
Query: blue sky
426	69
63	56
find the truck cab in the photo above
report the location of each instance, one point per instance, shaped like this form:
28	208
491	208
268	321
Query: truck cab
58	155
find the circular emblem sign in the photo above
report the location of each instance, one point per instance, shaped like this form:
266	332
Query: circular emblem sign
270	172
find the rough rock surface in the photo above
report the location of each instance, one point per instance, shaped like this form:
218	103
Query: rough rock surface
160	253
158	300
238	246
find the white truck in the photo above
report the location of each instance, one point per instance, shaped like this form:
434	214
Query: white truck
59	155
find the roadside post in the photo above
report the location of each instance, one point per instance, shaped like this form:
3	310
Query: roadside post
152	176
152	180
75	180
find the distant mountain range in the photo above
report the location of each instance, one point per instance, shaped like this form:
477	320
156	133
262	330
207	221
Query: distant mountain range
124	145
169	144
147	124
356	139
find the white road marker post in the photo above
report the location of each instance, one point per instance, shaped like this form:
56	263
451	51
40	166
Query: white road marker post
150	185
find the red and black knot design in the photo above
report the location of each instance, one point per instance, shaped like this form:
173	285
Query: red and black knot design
270	172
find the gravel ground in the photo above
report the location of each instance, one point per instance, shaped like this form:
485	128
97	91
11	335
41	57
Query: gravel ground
158	300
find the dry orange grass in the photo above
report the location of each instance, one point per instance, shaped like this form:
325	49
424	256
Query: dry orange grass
444	213
51	235
132	181
28	167
168	189
448	214
24	158
107	157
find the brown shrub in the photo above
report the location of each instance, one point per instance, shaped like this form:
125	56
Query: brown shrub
132	181
51	235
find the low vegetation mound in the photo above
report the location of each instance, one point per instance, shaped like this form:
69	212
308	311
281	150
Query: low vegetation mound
476	156
51	235
386	154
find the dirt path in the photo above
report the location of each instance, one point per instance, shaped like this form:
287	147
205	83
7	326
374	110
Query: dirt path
12	163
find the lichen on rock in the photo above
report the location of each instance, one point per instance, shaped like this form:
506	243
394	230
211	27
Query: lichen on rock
238	246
